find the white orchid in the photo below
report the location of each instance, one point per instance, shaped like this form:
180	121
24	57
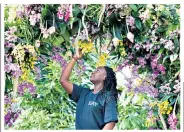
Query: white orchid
145	15
37	43
51	30
115	41
169	45
130	36
12	14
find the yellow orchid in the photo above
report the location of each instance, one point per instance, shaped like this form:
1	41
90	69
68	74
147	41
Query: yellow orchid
102	60
123	52
86	46
164	107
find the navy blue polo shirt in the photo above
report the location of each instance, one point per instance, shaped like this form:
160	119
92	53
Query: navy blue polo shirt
92	112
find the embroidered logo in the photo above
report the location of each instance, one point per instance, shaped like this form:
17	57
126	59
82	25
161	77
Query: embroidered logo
92	103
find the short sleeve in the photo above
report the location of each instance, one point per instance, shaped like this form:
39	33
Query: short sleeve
76	92
110	111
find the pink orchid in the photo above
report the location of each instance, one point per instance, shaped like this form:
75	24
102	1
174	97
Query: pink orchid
172	121
161	68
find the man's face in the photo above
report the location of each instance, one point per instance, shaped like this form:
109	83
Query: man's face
98	75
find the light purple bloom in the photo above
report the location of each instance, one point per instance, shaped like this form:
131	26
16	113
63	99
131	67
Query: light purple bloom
13	68
155	74
7	117
130	56
56	49
26	85
131	21
27	9
9	45
84	68
34	18
135	69
154	60
137	46
153	64
7	99
8	58
57	57
148	46
43	59
142	61
9	124
19	14
150	113
147	56
10	37
38	73
121	66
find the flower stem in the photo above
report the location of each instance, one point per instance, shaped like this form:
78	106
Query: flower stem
174	113
103	10
127	25
84	25
162	120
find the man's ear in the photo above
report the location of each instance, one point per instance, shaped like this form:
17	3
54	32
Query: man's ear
105	76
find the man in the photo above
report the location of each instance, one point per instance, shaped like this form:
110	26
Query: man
97	108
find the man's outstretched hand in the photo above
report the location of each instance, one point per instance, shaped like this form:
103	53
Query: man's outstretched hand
78	55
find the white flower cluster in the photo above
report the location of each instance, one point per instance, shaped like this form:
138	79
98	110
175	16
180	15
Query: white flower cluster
165	89
169	45
177	86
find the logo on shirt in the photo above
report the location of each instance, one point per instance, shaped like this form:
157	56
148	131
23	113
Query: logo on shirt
93	103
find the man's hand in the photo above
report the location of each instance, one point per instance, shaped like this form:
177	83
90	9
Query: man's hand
78	55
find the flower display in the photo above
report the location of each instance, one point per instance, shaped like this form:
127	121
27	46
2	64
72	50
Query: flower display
140	42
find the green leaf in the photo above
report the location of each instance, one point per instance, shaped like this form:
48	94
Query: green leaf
66	36
168	96
58	40
162	29
176	42
165	14
118	32
76	11
141	5
172	101
165	58
9	84
133	7
62	27
138	24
